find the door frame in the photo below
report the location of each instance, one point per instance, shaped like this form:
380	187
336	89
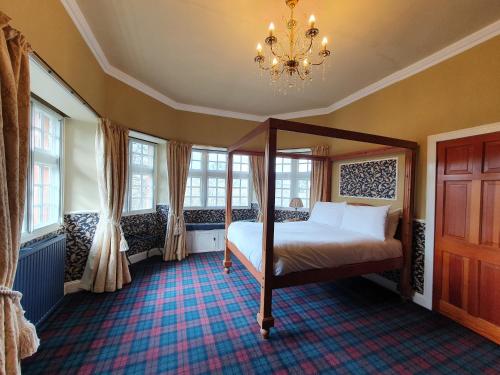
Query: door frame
430	211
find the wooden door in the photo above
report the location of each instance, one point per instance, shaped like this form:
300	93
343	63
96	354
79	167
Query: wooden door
467	239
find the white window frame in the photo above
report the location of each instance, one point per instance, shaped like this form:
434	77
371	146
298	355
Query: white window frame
205	174
244	175
294	176
218	174
134	136
28	232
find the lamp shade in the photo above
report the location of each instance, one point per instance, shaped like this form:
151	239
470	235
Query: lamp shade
296	203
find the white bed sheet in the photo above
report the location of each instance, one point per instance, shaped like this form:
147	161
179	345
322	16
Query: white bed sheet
304	245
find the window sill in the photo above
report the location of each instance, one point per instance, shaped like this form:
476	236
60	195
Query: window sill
139	212
216	208
291	209
40	232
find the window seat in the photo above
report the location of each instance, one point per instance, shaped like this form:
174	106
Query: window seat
204	226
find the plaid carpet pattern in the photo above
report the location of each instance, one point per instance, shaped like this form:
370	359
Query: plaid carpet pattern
191	318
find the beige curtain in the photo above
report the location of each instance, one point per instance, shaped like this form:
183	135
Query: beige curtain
259	182
107	268
178	159
18	337
318	172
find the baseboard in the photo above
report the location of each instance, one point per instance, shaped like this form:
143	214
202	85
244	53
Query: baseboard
144	255
204	251
418	298
72	287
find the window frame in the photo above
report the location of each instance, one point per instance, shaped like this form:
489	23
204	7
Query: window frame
205	174
28	232
126	206
294	176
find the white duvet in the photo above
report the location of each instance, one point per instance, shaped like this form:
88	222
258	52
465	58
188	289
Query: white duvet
305	245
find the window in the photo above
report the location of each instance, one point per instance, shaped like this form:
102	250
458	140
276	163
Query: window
293	179
241	181
206	185
142	173
43	194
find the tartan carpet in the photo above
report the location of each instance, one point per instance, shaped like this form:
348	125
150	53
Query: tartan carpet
189	317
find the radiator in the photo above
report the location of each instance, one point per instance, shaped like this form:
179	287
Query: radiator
40	277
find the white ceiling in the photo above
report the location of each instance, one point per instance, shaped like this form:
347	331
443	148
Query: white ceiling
200	53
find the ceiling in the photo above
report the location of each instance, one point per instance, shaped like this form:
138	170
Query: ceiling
200	53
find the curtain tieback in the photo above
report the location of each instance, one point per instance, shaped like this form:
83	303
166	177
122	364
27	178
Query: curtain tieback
116	224
28	340
5	291
178	224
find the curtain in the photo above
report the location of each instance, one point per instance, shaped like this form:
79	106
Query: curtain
18	338
107	268
259	182
318	173
178	159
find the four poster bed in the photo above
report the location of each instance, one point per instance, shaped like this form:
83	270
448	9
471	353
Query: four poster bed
303	252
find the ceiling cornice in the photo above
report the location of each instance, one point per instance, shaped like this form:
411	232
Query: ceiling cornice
83	27
454	49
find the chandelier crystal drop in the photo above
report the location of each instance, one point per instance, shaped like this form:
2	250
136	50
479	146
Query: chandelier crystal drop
291	60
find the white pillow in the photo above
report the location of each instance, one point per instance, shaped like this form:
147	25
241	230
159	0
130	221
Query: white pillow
392	223
328	213
368	220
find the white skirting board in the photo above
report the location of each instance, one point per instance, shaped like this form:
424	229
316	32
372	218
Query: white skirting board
418	298
141	256
74	286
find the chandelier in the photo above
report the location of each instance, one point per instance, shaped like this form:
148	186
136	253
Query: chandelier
294	58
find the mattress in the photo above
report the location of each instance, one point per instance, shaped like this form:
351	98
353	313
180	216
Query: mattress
305	245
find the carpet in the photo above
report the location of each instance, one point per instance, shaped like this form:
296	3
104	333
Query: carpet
190	318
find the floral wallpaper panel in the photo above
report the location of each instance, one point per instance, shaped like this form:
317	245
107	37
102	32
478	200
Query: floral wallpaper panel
375	179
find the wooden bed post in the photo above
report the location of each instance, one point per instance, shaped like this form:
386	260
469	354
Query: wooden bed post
264	317
405	286
328	179
229	209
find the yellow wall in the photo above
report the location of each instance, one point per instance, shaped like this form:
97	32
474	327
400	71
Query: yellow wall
458	93
461	92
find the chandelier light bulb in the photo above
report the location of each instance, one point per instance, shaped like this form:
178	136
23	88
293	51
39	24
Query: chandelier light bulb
324	42
271	28
259	48
275	61
312	21
306	63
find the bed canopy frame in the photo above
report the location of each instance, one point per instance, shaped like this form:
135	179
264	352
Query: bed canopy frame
266	277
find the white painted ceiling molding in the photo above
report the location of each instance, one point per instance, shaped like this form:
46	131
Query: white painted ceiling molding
454	49
83	27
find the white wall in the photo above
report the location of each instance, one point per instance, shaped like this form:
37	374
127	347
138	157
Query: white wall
161	170
80	171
